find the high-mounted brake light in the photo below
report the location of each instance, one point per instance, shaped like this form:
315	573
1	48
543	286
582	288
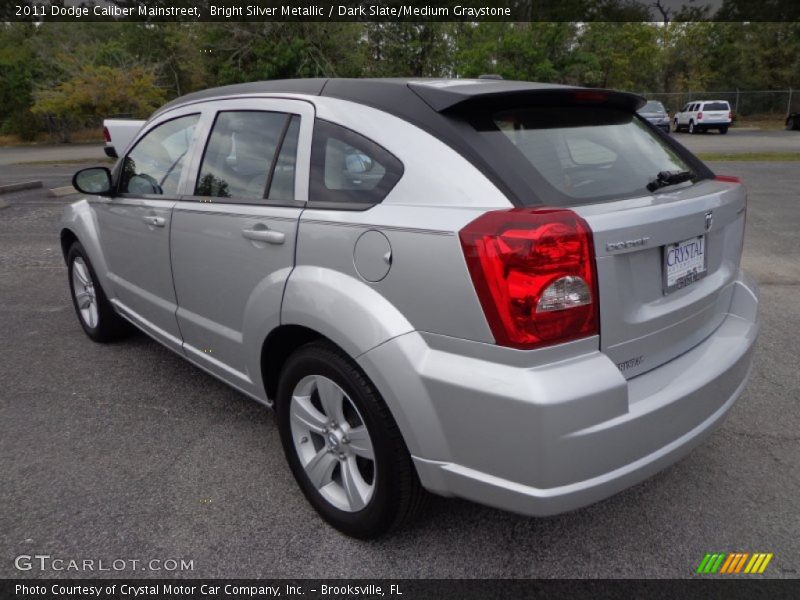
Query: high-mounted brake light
727	178
534	273
589	96
106	134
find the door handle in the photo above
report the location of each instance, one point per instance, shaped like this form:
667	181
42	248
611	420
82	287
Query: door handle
154	221
264	235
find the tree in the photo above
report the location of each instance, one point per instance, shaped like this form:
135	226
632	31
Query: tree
617	55
532	51
17	74
93	91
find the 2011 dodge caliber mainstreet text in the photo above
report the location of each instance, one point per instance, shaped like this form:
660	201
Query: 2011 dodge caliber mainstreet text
521	294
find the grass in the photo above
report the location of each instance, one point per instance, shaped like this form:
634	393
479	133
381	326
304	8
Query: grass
765	122
751	156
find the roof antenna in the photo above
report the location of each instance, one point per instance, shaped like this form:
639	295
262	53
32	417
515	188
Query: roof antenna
490	76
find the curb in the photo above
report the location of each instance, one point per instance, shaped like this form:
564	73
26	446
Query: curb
18	187
61	191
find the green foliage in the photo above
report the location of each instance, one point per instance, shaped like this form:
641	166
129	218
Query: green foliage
99	90
58	76
617	55
533	51
17	75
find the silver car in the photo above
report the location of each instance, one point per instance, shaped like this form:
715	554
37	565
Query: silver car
514	293
654	112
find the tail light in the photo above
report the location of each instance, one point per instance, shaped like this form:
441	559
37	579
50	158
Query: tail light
730	116
534	273
106	134
699	116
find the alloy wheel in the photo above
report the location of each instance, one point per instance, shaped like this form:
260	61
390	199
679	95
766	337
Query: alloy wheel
83	290
332	443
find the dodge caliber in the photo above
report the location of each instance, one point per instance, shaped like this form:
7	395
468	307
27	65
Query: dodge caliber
520	294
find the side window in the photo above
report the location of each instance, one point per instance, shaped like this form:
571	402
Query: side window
154	165
347	167
242	149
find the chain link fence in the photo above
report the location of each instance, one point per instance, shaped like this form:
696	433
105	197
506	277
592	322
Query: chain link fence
745	103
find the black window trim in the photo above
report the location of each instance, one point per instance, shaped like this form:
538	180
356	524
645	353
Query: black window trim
238	199
343	204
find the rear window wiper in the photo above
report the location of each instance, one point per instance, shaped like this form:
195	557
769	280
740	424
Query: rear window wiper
665	178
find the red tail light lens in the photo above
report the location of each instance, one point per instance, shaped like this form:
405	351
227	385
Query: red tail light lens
534	273
730	116
106	135
699	116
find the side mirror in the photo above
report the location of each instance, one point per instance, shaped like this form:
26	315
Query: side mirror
94	180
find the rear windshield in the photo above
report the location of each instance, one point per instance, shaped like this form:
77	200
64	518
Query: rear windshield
715	106
578	155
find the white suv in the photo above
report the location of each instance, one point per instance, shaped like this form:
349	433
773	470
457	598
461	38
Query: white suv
702	115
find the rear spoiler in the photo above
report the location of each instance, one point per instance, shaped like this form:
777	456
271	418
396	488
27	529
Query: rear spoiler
455	97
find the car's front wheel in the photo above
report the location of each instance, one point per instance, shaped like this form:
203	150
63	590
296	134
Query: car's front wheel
342	444
95	313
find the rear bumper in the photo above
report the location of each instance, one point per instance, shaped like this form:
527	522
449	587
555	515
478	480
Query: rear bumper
541	440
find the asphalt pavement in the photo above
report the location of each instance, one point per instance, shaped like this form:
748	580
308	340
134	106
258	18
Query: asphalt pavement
126	451
738	141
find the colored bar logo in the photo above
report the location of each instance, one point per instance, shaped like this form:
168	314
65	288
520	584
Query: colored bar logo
734	562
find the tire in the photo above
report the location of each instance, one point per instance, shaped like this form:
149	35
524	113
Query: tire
723	130
791	124
387	493
692	128
676	129
95	313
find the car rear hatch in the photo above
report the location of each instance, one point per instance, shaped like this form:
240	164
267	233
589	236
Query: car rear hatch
650	310
667	234
715	112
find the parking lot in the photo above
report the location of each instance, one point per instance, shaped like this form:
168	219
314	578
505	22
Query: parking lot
126	451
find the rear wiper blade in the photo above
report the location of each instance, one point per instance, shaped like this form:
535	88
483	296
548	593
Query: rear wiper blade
665	178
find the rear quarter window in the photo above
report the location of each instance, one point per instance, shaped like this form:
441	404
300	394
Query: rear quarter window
349	169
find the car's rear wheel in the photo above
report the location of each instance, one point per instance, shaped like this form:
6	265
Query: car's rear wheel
342	444
692	128
792	124
95	313
675	127
723	130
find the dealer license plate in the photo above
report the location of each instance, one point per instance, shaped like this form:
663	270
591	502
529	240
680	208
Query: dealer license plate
684	263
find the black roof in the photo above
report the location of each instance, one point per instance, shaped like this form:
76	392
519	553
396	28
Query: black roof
431	103
385	93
